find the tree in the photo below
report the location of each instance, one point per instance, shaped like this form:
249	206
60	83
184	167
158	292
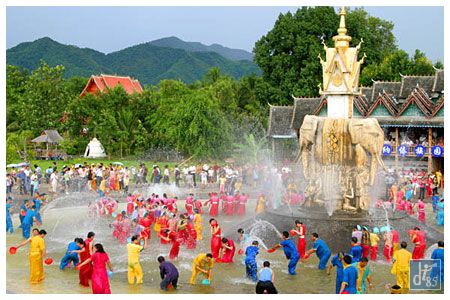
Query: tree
287	54
252	150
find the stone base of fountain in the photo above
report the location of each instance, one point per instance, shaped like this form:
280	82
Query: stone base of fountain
336	229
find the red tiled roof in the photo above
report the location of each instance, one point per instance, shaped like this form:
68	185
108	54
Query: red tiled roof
104	82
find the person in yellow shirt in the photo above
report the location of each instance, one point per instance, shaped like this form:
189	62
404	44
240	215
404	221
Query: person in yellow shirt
260	205
134	267
374	240
36	255
401	268
363	275
198	224
203	263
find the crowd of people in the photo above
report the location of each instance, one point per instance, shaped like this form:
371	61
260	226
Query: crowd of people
182	228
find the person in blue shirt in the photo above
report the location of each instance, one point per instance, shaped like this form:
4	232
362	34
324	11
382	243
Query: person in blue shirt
321	249
243	238
251	267
23	211
440	213
290	250
438	254
266	279
38	202
350	277
356	250
30	217
71	255
336	261
9	223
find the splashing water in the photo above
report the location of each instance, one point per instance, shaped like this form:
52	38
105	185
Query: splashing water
430	250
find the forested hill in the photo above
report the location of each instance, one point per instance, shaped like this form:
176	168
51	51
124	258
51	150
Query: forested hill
146	62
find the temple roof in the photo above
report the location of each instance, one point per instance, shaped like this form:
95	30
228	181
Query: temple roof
413	101
104	82
280	124
48	136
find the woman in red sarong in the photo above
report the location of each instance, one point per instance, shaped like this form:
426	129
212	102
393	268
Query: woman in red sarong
99	260
216	241
146	222
228	250
214	202
229	205
189	205
172	237
86	271
242	202
191	242
198	206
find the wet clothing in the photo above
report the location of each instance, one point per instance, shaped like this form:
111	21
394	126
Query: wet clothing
227	256
100	282
169	275
134	266
438	271
440	214
250	262
374	239
401	268
265	282
335	262
292	254
322	252
9	223
37	246
216	243
350	277
356	253
363	274
86	270
27	223
68	257
200	261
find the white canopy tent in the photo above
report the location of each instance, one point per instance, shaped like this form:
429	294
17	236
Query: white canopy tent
94	149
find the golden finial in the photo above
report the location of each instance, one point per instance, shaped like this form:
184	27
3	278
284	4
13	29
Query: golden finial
342	29
342	40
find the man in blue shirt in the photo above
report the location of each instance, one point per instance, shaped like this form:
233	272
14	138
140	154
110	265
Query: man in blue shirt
266	278
71	254
30	217
349	278
290	251
336	261
438	254
356	250
321	249
250	260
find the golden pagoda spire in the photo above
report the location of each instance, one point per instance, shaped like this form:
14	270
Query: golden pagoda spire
342	40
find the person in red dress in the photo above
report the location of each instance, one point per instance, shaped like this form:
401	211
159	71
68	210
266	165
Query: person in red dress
146	222
417	237
172	237
214	205
228	249
190	204
99	260
242	202
229	205
216	241
300	230
85	253
198	205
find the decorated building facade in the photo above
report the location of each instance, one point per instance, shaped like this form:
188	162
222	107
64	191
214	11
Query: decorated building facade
410	111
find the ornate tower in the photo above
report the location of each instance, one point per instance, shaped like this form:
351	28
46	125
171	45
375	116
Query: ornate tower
340	73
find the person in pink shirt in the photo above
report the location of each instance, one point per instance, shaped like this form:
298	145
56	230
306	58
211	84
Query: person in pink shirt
421	211
99	260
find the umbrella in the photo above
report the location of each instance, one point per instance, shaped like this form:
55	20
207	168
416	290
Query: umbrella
117	163
12	166
23	164
78	165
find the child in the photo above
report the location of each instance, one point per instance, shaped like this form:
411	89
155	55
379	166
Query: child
266	279
71	254
250	260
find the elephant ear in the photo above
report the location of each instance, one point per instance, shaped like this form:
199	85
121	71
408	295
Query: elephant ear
309	124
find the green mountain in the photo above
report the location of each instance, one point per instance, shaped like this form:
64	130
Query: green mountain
146	62
174	42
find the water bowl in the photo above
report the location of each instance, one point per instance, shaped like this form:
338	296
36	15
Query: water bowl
241	251
48	261
292	232
12	250
114	214
110	274
129	240
206	282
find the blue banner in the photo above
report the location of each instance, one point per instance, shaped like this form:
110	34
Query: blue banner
437	151
420	150
402	150
387	150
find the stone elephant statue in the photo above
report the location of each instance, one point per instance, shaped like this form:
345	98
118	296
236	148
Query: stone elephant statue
367	134
307	142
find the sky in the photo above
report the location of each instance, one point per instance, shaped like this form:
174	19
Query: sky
109	29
